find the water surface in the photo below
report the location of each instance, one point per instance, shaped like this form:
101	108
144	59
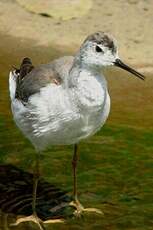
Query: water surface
115	171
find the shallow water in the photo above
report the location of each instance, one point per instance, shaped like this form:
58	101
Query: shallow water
131	115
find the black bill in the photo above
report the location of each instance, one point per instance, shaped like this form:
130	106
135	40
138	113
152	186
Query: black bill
120	64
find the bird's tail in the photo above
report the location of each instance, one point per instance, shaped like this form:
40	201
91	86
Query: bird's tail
16	76
25	67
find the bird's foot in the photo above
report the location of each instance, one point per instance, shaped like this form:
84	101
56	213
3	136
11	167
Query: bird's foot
34	218
80	209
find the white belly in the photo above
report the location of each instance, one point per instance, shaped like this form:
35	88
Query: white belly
54	117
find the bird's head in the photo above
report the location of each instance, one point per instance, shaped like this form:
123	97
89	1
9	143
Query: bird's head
99	50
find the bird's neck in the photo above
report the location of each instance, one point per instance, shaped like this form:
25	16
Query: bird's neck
87	86
79	69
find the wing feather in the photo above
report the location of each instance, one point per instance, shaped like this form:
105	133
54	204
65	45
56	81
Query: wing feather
12	84
28	80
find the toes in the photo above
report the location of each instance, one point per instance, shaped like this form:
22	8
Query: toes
77	213
80	209
98	211
31	218
23	219
54	221
37	221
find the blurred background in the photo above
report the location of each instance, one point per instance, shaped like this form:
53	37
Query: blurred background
115	171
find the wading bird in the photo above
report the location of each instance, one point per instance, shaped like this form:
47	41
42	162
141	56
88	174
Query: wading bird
65	101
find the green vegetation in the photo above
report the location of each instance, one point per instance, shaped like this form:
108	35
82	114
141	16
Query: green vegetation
115	171
115	174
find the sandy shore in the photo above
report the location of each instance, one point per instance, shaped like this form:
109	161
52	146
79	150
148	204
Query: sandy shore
129	21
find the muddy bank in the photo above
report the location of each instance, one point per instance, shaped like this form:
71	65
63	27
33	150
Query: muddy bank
129	21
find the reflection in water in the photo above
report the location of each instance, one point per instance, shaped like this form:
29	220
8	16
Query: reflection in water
16	196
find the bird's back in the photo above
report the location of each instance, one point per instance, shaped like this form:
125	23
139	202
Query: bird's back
28	80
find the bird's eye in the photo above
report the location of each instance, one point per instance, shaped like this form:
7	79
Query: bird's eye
98	49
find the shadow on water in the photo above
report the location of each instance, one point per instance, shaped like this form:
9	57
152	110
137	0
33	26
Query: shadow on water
16	196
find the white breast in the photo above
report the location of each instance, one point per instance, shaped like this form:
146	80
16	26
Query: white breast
63	116
93	101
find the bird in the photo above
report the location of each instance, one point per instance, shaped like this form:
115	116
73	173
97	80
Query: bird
64	102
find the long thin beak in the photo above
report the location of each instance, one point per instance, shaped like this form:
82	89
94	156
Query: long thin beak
121	65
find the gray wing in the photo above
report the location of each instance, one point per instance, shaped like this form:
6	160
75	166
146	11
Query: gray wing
30	80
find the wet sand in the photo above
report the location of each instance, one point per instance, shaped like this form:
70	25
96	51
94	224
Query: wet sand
129	21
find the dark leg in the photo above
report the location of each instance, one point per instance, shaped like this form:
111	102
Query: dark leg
79	208
36	175
76	202
74	166
34	218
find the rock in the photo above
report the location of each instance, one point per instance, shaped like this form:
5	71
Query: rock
64	10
